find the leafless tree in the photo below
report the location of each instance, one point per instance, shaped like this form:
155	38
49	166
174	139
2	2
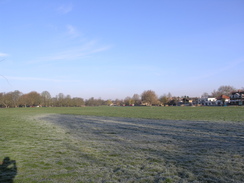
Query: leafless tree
15	97
164	99
149	97
6	99
137	99
129	101
45	98
223	90
78	102
205	95
34	98
10	99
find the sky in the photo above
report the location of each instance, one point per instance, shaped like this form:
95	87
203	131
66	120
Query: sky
113	49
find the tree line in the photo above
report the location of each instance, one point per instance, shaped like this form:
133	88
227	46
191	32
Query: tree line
34	99
44	99
148	97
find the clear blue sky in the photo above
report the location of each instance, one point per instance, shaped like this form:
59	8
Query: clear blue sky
113	49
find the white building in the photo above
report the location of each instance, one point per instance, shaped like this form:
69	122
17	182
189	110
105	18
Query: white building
210	100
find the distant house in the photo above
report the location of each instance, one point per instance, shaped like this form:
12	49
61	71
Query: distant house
208	101
223	100
237	98
195	101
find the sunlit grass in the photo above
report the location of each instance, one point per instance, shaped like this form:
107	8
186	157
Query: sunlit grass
168	113
72	148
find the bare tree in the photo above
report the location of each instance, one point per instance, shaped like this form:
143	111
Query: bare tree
23	100
149	97
137	99
174	101
78	102
45	98
169	96
68	101
91	102
205	95
108	102
15	97
129	101
60	100
223	90
1	99
118	102
6	99
10	99
30	99
164	99
33	98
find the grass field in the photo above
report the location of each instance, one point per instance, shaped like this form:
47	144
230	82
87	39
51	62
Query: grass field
166	113
126	144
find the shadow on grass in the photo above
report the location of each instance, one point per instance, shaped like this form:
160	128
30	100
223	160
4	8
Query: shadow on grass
8	170
160	150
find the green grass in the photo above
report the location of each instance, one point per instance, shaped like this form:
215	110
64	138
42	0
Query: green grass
168	113
46	152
